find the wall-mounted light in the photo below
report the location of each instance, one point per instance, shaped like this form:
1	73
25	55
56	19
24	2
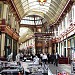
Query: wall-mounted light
39	30
21	43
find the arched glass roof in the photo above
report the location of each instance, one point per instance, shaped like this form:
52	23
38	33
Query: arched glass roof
33	20
50	10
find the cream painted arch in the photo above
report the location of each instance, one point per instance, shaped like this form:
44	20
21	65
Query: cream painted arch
26	36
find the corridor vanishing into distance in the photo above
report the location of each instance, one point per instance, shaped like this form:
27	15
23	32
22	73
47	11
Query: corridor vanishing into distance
37	37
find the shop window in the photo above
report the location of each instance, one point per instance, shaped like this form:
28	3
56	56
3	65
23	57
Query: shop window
14	49
70	16
65	52
56	31
8	45
68	43
64	43
9	20
63	23
73	10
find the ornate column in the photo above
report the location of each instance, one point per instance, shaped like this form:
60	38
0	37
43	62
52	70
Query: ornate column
5	11
12	21
66	48
43	47
18	47
58	48
12	45
50	47
2	44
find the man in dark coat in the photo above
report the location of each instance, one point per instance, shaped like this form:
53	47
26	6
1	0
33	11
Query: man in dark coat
56	58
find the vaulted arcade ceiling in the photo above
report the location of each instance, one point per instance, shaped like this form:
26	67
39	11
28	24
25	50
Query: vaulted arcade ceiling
51	9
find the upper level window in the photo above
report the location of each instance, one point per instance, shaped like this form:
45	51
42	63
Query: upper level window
33	20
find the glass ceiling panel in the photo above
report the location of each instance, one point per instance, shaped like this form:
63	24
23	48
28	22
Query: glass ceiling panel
41	10
23	30
39	22
33	20
46	6
34	4
29	18
50	9
17	1
44	10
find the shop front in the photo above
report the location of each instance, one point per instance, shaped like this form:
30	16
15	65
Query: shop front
71	50
8	45
14	49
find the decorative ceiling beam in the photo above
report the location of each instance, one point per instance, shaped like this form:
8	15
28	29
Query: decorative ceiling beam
50	8
11	2
43	11
19	5
29	26
67	3
67	9
53	6
55	3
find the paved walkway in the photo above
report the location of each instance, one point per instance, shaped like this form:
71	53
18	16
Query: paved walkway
61	68
52	69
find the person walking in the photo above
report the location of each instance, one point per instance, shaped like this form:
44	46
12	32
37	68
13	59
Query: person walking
44	58
41	56
10	57
18	58
52	58
36	60
21	56
56	58
48	55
